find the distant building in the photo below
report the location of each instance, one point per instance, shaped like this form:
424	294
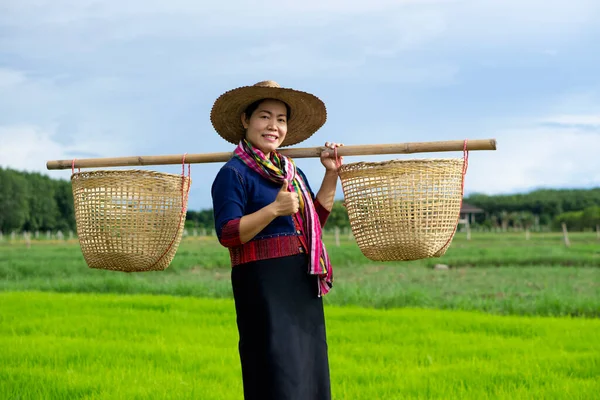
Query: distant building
468	211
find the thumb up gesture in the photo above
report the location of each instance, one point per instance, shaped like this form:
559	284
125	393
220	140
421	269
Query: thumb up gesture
286	203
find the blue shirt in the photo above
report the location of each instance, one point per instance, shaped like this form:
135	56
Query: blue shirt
238	190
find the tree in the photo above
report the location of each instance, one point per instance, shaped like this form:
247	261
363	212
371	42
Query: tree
14	208
590	217
43	210
338	216
64	202
34	201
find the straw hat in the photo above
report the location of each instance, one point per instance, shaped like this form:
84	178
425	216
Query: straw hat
307	112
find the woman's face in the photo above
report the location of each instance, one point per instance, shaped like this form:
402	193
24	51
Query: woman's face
267	126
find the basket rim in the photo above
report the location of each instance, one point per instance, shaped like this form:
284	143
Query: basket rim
126	172
410	161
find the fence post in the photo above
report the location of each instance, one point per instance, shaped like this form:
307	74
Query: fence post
337	236
467	225
566	235
527	235
468	230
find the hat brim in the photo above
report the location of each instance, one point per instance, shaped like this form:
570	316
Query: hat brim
308	112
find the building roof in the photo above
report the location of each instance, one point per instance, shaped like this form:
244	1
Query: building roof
468	208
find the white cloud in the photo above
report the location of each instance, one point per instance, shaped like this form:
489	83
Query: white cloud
91	78
10	77
25	147
70	11
156	16
584	120
377	28
521	22
70	111
536	157
550	52
29	147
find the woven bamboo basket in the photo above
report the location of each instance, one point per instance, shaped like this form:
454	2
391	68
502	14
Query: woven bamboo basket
403	210
129	220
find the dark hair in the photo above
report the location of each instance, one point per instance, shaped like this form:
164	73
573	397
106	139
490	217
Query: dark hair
252	107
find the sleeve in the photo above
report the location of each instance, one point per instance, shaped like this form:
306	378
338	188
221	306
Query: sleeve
322	212
229	201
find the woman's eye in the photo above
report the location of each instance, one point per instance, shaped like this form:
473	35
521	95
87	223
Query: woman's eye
282	120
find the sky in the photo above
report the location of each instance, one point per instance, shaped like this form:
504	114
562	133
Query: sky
91	78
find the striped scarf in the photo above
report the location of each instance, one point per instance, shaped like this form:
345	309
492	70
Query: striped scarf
278	168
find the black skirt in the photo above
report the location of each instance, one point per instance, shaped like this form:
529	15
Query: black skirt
280	319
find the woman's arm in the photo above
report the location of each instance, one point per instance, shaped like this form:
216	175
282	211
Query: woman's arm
286	203
326	193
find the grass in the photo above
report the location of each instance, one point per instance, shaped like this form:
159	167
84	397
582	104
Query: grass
91	346
396	330
495	273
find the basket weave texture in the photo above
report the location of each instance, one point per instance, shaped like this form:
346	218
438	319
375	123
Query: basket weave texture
130	220
403	210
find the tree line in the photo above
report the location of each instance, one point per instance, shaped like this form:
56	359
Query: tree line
578	208
35	202
32	201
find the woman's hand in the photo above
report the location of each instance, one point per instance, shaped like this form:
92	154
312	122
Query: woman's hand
327	158
286	203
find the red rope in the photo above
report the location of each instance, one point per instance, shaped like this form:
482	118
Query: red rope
73	167
337	160
183	195
462	191
339	164
183	180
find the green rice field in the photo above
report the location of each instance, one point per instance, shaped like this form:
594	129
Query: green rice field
89	346
510	319
497	273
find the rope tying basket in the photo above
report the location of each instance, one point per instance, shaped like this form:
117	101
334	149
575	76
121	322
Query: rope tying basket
403	210
130	220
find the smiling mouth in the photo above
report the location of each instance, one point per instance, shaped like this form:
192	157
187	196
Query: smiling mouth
270	137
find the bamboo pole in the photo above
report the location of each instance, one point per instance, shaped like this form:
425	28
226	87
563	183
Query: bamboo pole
305	152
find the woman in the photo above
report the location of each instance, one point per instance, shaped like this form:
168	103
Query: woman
268	217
